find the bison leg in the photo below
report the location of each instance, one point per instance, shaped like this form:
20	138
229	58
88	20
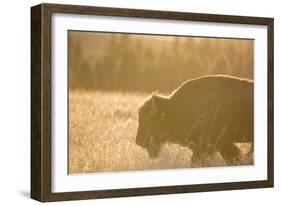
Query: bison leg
196	156
230	153
200	156
250	153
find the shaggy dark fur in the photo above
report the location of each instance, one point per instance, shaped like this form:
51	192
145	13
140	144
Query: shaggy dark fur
206	114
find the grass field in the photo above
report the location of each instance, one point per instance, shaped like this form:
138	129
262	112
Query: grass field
102	131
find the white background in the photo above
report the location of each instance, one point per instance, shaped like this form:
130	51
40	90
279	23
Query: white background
15	102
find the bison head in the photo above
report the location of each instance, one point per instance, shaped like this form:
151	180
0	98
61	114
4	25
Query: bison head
151	132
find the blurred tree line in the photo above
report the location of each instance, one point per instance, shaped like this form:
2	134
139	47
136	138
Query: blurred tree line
129	62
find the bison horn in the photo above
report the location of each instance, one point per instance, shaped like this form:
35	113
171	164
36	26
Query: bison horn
153	106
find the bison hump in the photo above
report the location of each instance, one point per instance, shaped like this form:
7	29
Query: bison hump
212	86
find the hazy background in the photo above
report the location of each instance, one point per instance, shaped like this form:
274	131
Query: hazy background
130	62
110	75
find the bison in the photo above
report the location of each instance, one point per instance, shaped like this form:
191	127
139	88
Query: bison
206	114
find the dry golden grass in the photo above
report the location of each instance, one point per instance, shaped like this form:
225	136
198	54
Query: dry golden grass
102	132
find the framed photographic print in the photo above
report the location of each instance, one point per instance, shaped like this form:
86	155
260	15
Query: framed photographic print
128	102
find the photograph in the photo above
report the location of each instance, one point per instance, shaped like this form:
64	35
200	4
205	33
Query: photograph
132	102
157	102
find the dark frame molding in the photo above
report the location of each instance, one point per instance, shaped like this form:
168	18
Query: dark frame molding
41	101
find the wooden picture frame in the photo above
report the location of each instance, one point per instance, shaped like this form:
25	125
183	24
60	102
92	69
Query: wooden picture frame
41	98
